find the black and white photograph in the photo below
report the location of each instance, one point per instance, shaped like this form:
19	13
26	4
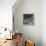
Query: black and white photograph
28	19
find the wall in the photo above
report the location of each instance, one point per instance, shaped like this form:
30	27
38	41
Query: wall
6	13
29	31
43	22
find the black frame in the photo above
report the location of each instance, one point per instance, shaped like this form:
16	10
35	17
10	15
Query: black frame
28	19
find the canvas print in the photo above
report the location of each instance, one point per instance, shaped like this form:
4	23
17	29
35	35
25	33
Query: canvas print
28	19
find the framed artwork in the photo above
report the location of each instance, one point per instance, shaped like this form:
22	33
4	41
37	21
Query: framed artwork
13	22
28	19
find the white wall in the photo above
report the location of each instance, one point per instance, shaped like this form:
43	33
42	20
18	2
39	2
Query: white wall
29	31
43	22
6	13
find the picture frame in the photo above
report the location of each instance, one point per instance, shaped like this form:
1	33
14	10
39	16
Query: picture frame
28	19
